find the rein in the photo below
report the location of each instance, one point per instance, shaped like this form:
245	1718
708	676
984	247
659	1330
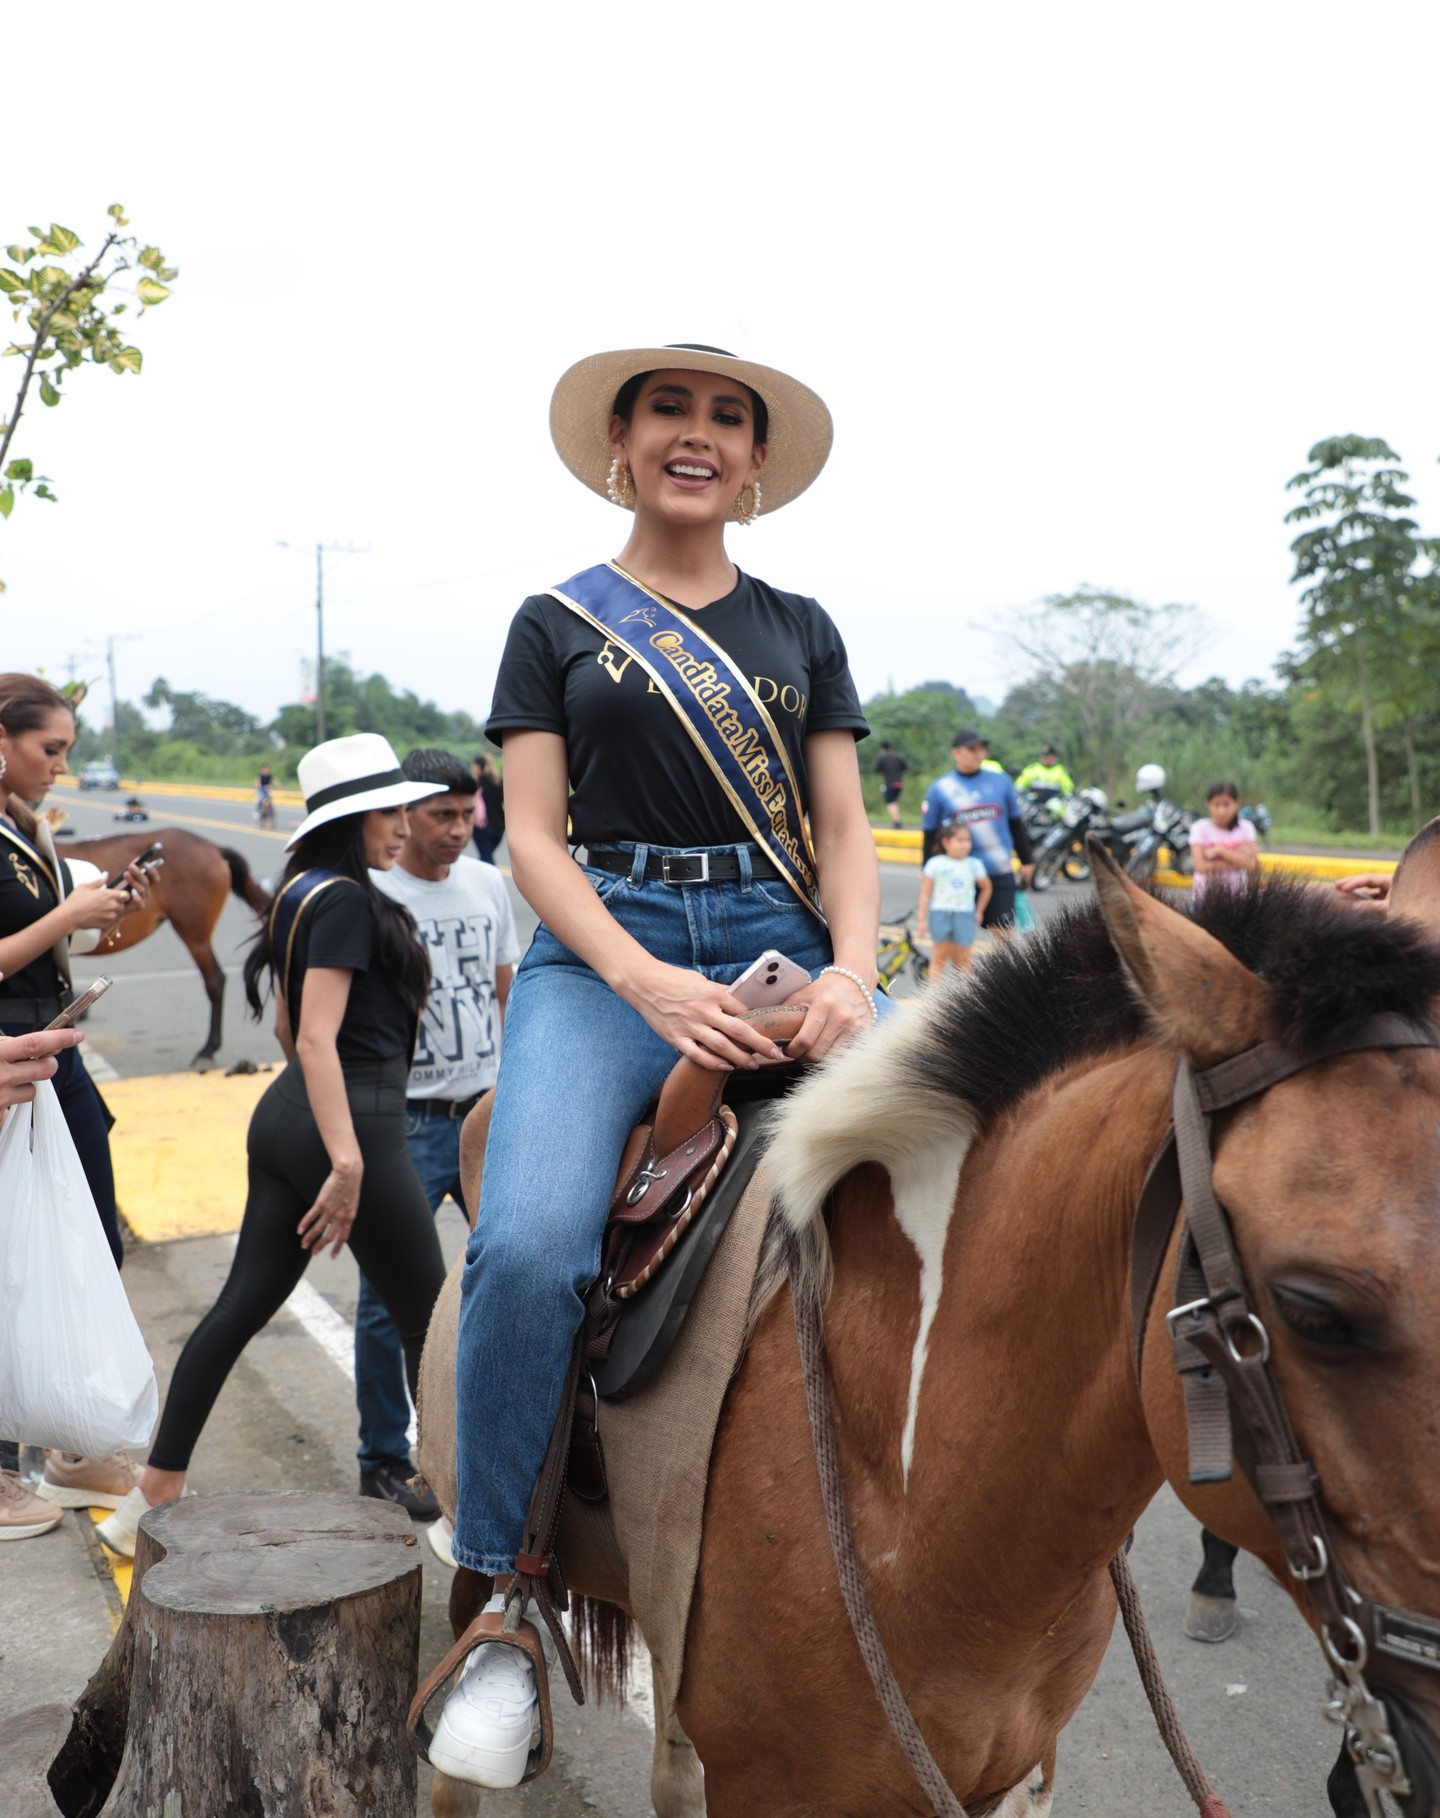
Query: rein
1222	1354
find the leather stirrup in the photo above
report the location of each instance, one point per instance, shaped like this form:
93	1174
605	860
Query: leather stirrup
488	1626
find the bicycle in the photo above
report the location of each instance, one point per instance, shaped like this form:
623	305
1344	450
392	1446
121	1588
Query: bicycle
898	953
265	809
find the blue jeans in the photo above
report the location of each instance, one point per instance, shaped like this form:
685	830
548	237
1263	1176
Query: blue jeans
579	1067
380	1392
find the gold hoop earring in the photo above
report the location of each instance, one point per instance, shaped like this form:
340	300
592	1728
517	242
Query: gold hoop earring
747	514
620	485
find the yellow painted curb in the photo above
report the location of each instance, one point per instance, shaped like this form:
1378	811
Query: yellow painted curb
899	846
179	1151
212	792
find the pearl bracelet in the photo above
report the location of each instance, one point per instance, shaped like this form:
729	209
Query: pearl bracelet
845	972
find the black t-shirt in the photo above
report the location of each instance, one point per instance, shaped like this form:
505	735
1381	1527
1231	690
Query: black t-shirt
27	892
337	929
892	767
634	772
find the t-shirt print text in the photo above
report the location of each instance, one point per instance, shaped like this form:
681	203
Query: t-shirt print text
770	693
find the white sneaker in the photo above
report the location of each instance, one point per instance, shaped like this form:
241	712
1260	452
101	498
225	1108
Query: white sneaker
440	1533
118	1530
491	1719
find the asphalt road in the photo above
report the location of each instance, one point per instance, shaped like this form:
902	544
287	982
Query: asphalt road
1251	1705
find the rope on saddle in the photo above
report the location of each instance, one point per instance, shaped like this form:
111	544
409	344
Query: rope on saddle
1167	1718
847	1566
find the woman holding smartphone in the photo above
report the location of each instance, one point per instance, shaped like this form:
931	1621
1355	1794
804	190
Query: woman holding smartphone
687	719
40	910
41	907
328	1163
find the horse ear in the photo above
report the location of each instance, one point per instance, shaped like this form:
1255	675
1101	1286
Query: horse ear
1200	998
1415	889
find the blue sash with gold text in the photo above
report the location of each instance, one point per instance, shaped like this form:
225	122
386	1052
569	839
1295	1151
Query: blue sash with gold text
715	704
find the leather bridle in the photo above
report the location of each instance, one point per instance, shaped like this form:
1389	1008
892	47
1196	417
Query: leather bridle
1235	1411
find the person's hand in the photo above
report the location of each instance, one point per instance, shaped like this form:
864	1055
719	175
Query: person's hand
922	931
701	1020
27	1058
837	1014
1026	873
1369	888
329	1220
98	906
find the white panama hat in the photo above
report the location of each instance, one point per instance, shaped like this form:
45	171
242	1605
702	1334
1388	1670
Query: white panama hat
797	443
352	776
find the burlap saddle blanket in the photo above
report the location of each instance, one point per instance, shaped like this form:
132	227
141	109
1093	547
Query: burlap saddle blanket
640	1547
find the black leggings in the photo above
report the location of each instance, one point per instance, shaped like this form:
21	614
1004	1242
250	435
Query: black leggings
393	1239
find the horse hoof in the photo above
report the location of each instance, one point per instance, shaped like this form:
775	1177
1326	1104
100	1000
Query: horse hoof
1210	1618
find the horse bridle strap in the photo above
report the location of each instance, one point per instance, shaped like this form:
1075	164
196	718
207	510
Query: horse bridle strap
1222	1353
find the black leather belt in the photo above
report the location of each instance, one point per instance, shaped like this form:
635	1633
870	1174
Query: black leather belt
29	1012
721	867
441	1107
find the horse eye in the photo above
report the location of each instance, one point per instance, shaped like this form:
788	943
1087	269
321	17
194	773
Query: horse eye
1315	1320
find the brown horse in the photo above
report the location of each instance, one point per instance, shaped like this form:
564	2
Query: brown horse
995	1447
188	891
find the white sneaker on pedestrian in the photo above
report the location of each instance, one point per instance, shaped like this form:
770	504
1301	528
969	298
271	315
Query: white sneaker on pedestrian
440	1533
491	1719
119	1529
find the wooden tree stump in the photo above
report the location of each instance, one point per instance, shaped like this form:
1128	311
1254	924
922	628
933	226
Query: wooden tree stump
268	1657
28	1743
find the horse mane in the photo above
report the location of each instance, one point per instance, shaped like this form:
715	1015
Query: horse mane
1036	1004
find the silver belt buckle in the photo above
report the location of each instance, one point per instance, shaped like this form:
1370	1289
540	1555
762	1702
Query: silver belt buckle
684	858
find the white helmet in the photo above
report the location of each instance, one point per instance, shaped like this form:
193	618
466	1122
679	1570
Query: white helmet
1150	776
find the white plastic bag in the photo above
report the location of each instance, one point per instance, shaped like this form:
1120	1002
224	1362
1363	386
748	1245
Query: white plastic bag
74	1371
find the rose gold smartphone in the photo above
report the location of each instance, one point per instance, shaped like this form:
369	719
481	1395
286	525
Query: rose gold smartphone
73	1011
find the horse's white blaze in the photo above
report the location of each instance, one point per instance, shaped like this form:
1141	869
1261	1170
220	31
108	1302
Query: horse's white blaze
863	1105
923	1186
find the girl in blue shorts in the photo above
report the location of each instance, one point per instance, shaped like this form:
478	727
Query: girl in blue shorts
953	893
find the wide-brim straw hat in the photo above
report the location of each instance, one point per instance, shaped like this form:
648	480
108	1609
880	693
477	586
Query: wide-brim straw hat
352	776
797	443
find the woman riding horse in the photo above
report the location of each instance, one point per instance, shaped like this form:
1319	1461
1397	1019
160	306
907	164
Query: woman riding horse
685	719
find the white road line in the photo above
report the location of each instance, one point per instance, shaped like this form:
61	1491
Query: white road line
96	1065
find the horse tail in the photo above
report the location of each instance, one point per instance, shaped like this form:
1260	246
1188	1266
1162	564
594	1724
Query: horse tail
241	882
602	1636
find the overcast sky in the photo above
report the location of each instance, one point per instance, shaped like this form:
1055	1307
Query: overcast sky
1081	285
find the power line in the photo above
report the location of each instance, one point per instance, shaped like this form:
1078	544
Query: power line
321	551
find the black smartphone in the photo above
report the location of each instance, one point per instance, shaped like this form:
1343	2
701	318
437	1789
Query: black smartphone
153	850
75	1010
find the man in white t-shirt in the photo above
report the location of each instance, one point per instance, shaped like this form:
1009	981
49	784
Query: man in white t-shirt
462	909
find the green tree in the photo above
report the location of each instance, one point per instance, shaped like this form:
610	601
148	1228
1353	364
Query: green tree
1102	667
217	726
1355	559
72	312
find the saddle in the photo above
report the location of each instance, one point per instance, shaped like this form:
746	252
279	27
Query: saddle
682	1173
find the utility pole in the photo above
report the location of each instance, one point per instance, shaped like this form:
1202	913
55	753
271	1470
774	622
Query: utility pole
321	551
114	696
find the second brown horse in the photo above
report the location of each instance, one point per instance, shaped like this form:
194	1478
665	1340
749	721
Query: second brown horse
189	892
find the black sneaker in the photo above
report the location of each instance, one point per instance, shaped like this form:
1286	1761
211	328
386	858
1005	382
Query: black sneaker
390	1484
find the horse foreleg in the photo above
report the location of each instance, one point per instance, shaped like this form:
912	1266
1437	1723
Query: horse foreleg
469	1593
677	1781
1210	1615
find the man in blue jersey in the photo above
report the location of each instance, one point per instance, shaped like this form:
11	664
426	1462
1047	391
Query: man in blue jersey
985	800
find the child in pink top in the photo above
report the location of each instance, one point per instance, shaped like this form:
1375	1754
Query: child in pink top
1222	845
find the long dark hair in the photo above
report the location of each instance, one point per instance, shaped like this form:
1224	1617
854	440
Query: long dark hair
340	846
26	703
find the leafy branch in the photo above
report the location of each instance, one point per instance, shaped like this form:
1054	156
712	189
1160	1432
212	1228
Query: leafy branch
72	318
